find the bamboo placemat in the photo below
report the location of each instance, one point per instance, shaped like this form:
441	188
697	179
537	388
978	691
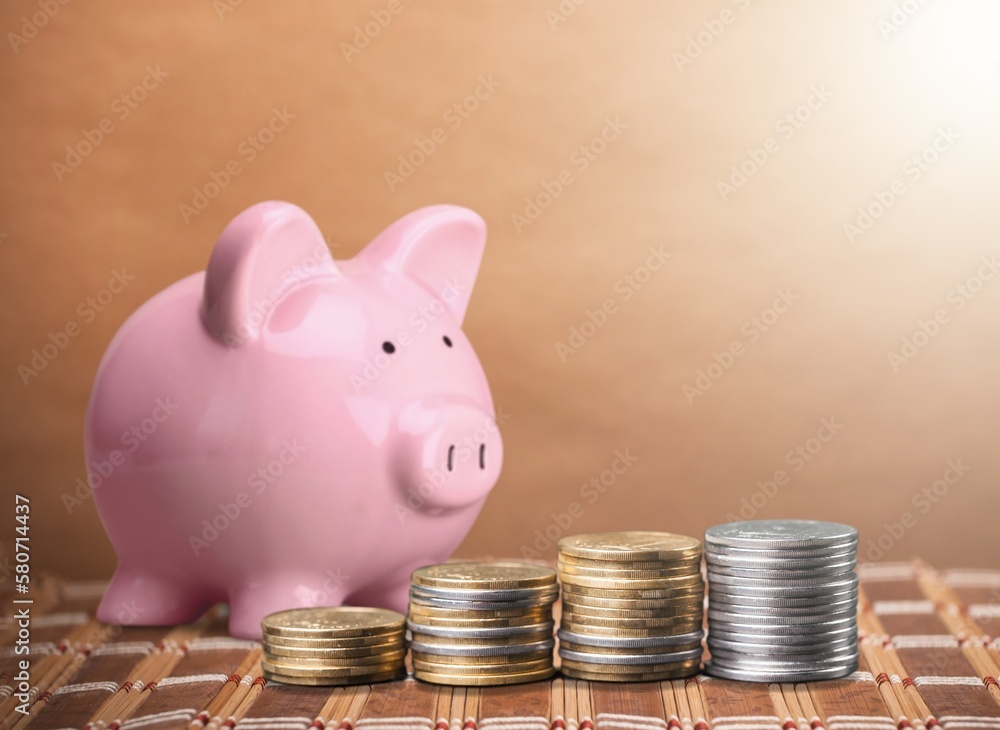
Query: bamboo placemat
928	661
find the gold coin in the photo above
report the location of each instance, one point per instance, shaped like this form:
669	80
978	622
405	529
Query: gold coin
570	571
675	673
333	652
661	611
689	582
684	603
628	633
587	648
539	617
484	576
634	594
535	636
481	668
634	545
483	680
434	662
691	564
338	643
399	673
333	622
618	669
294	670
395	656
631	623
536	613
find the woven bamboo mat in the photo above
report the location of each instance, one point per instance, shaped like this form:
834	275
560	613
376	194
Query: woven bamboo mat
928	660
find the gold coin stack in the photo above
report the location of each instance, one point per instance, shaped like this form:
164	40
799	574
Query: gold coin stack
480	624
334	646
632	606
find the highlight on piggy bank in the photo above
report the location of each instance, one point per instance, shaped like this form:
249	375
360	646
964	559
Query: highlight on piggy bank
331	427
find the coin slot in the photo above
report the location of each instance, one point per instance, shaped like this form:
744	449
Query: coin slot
482	456
451	456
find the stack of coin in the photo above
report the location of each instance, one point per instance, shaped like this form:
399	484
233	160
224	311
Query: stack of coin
782	600
479	624
334	646
632	606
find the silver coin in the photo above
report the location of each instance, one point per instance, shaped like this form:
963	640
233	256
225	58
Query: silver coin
753	559
817	609
829	672
818	573
770	534
480	633
717	617
629	643
473	650
841	653
472	605
631	659
733	646
782	665
719	595
825	625
806	586
781	638
815	553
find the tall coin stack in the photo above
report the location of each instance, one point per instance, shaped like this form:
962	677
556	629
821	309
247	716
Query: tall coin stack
632	606
334	646
479	624
782	600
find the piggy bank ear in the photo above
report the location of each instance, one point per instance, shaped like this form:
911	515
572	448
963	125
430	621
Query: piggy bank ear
439	247
265	252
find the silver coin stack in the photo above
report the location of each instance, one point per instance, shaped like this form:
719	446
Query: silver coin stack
782	600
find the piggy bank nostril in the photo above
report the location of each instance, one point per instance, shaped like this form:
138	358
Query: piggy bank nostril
482	456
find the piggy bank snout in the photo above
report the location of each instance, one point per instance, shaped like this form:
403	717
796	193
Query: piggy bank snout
451	453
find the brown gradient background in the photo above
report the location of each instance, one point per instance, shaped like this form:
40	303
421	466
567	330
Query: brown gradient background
654	187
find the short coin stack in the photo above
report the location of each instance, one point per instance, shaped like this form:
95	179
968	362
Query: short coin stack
479	624
334	646
632	606
782	600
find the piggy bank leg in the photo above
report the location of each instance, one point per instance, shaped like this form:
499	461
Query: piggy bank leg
250	603
137	598
392	592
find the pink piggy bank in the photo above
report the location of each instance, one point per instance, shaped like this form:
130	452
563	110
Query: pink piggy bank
284	430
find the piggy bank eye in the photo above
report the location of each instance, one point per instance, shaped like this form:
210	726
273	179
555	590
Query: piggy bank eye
447	340
388	347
